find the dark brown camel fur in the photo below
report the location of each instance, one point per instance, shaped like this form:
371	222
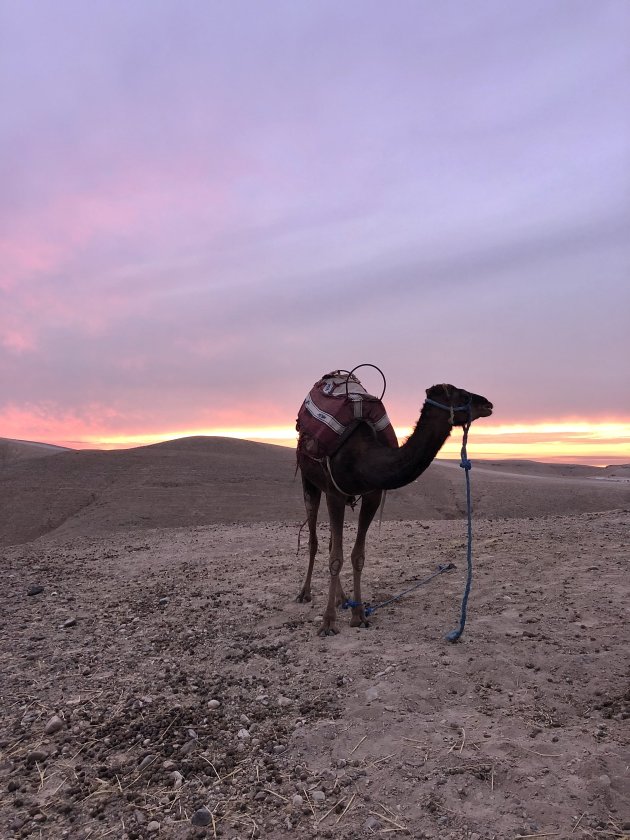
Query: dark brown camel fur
364	467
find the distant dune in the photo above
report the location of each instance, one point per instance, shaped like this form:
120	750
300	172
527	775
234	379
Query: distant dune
23	450
207	480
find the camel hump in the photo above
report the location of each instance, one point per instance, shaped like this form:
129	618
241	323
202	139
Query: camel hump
334	406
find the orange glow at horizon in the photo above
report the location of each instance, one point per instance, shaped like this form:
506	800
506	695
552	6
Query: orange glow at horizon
580	441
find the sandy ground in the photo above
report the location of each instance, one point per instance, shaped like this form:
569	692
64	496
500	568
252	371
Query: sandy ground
163	682
520	728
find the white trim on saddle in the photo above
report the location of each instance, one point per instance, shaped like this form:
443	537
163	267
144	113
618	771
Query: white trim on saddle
323	416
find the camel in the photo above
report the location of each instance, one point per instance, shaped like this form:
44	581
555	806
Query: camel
362	466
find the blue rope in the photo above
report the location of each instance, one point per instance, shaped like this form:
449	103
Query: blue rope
369	609
466	465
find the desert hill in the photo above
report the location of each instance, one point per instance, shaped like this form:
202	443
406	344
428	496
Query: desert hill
207	480
23	450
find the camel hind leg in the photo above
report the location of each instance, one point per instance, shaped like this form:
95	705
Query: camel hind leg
312	498
336	513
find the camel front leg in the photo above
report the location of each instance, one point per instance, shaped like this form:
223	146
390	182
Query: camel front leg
336	513
369	506
312	497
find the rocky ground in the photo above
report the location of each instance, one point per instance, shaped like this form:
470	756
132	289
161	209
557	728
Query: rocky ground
164	683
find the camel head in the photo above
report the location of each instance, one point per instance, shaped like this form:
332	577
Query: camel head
463	405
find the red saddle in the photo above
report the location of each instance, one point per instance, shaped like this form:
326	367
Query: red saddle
333	408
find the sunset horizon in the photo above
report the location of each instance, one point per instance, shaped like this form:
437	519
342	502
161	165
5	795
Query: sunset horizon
578	442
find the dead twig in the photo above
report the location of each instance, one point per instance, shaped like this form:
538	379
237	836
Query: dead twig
330	811
310	804
273	793
346	809
577	823
358	745
398	826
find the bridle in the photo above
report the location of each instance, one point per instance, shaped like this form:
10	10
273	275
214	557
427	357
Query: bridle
453	408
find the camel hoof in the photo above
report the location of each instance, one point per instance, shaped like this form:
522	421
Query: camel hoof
359	622
303	597
327	630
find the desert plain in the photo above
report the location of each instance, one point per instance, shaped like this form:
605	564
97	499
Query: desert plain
159	680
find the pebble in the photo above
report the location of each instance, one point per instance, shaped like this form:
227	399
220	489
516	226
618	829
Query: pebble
53	725
153	826
35	589
178	779
36	755
164	602
243	734
201	817
213	704
189	746
318	796
284	701
147	761
371	694
169	764
69	623
372	824
297	801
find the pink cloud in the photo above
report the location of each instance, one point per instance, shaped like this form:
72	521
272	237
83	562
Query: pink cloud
18	341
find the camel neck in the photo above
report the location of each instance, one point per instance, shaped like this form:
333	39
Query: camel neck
431	431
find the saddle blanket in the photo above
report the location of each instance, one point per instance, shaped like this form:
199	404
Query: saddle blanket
333	408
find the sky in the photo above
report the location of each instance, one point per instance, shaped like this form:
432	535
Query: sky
205	206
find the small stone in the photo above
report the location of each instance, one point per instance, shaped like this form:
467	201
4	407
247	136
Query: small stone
164	602
189	746
372	824
36	755
35	589
297	801
153	826
169	764
53	725
178	779
202	816
69	623
213	704
318	796
371	694
139	817
284	701
147	761
243	734
279	748
245	720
